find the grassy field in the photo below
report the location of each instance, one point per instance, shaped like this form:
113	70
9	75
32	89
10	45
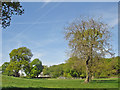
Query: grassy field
13	82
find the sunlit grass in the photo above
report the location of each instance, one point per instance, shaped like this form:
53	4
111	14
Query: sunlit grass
8	81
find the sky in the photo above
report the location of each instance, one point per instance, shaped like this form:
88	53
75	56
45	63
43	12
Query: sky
41	28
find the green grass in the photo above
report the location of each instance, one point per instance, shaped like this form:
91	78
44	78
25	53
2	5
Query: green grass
9	81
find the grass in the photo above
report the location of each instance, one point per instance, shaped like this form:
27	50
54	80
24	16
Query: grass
14	82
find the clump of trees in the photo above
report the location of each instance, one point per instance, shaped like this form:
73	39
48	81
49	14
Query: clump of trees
54	71
20	59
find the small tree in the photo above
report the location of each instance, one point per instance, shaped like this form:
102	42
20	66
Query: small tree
88	38
36	67
4	66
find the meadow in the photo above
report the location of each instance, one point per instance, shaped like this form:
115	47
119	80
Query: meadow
14	82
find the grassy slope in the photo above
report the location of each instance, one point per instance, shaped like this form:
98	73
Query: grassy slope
8	81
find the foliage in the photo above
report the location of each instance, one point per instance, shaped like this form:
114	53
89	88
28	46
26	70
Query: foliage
0	68
20	54
75	68
107	67
46	70
54	71
4	66
8	10
36	67
19	59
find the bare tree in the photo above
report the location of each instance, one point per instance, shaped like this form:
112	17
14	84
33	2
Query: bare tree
88	38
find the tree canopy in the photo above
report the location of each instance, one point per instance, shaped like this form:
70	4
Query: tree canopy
36	67
8	10
19	59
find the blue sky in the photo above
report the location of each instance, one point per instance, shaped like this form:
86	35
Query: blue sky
41	28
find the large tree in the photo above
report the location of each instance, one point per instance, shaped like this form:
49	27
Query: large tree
8	10
19	59
88	38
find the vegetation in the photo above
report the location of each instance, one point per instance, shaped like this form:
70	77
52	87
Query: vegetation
73	68
89	41
36	67
20	59
8	10
15	82
0	68
54	71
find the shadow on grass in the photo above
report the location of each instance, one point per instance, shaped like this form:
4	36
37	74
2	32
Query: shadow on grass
14	88
104	81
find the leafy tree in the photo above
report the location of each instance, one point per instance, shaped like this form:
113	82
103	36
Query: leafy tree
8	10
4	66
88	38
37	67
74	66
19	59
54	71
13	69
46	70
27	68
20	54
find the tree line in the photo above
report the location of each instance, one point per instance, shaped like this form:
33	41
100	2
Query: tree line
75	68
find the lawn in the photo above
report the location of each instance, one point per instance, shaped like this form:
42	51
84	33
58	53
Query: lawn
14	82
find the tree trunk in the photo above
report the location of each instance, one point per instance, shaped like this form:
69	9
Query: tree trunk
17	74
37	75
87	71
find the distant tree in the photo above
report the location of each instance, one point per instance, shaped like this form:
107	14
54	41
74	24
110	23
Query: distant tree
4	66
88	38
19	59
8	10
0	68
74	67
46	70
56	70
36	67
